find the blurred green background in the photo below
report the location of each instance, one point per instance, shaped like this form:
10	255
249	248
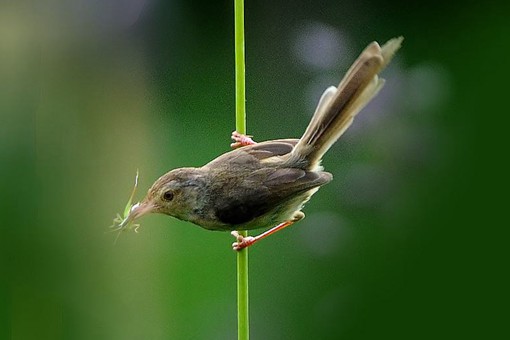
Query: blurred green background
401	245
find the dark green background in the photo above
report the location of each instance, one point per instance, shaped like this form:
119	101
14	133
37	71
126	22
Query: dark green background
406	243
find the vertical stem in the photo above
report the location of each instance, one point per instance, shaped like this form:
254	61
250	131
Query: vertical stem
239	65
243	328
243	322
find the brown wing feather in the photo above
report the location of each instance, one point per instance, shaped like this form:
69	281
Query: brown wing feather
272	148
263	190
248	157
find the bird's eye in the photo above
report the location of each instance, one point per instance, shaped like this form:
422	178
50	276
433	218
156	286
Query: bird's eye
168	195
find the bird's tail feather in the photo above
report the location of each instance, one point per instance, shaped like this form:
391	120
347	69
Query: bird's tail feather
338	106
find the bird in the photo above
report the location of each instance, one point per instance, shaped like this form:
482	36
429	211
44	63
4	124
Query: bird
266	184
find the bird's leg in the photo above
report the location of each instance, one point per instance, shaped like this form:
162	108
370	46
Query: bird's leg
241	140
246	241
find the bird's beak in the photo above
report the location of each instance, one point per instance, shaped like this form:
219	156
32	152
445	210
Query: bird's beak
137	211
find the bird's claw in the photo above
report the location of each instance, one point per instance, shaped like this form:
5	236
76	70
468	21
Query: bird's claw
241	140
242	241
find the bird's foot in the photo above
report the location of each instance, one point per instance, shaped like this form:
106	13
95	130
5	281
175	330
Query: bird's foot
246	241
241	140
242	241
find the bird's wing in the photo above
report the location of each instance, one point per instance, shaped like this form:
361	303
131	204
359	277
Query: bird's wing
263	191
271	148
250	155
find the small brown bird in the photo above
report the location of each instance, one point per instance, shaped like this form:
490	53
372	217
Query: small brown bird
262	185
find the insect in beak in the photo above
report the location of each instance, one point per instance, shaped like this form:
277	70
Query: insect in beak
131	212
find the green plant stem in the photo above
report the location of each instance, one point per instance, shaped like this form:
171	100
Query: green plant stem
243	322
243	328
239	65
